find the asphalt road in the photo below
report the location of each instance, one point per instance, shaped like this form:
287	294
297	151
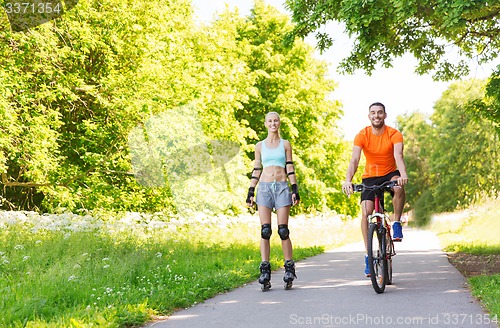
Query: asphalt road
331	291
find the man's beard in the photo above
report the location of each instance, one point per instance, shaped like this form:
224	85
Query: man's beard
378	125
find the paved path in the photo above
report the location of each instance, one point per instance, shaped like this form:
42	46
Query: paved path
331	291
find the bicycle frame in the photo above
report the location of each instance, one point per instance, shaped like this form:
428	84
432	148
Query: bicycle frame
382	220
379	216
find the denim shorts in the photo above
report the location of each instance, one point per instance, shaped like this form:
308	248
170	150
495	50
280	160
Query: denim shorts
274	194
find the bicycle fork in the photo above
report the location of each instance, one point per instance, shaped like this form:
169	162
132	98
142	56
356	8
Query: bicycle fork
383	232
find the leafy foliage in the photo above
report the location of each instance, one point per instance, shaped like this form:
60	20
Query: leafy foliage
106	105
488	107
452	158
384	30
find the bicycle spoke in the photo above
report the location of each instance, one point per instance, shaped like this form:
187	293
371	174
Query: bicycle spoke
389	253
376	258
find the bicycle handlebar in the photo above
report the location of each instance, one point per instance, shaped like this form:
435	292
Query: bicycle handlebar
384	186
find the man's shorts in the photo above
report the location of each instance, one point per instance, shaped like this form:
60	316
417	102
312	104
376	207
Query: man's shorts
370	194
274	194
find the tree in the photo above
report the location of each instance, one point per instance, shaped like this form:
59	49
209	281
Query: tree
488	107
418	135
452	157
464	161
384	30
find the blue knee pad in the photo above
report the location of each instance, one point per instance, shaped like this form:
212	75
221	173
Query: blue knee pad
283	231
265	231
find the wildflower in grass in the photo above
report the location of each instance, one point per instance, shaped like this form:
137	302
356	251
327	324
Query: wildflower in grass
159	254
71	278
19	247
26	258
106	266
106	259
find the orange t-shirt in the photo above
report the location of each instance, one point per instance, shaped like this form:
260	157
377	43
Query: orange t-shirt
378	150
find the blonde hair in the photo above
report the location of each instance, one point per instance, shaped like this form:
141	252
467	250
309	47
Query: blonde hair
270	113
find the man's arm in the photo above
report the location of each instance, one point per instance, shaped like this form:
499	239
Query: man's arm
400	163
351	170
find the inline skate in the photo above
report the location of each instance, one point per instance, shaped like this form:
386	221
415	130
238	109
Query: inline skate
289	274
265	276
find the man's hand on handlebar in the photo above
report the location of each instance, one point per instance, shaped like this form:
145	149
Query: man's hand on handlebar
402	181
347	188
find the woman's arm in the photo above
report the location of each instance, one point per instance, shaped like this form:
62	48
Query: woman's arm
290	171
257	171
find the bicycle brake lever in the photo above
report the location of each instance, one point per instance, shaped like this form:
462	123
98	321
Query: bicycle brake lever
357	188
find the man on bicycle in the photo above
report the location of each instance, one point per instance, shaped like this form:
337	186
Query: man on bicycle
383	150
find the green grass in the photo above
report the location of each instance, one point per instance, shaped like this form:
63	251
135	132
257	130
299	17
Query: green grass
76	271
474	231
486	288
476	248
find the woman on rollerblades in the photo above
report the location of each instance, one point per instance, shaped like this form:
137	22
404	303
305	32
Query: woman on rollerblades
273	167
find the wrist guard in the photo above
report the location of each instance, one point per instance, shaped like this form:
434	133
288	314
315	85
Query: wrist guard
295	191
251	193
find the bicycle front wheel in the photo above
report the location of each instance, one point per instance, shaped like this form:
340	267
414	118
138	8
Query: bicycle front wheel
377	260
388	255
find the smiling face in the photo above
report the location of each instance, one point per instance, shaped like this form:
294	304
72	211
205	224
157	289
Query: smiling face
272	122
377	116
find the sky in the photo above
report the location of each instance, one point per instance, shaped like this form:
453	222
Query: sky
398	88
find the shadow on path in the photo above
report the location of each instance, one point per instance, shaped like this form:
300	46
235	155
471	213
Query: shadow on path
331	291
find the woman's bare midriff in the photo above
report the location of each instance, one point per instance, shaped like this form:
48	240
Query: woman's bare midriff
273	173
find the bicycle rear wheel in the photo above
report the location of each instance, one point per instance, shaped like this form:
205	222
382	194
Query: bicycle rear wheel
377	260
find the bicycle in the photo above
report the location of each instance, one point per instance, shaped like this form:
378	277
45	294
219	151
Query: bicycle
380	246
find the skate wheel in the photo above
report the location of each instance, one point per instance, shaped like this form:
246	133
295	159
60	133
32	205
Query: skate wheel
288	285
265	287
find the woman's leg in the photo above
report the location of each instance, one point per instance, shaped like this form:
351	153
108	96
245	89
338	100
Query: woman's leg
286	245
283	215
265	218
